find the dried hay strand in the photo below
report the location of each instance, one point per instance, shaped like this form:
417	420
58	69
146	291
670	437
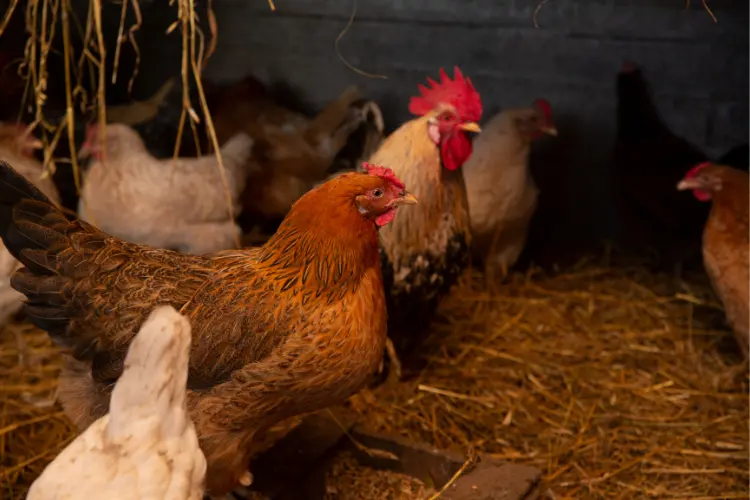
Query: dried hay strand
612	381
43	19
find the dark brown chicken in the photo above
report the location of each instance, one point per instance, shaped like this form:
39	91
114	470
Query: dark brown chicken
649	160
725	239
284	329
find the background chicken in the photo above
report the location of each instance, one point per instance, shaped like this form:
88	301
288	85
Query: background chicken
284	329
180	204
17	145
294	152
502	193
146	446
426	249
649	160
725	239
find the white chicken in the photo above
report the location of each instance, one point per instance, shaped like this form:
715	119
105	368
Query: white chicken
146	448
501	191
16	147
176	204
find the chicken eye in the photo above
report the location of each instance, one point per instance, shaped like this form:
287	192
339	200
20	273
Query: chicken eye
377	193
445	117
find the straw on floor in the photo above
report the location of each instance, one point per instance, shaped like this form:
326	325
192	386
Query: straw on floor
615	382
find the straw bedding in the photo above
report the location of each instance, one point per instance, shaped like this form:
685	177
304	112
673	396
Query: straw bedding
615	382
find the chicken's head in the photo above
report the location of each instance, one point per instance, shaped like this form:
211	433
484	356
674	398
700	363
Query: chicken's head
453	108
532	123
383	194
119	138
703	179
19	138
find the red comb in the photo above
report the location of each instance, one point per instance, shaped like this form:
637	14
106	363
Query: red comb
459	93
544	106
696	169
384	173
629	67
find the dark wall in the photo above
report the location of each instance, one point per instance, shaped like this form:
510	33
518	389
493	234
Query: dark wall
698	69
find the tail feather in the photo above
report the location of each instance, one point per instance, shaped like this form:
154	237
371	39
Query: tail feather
34	230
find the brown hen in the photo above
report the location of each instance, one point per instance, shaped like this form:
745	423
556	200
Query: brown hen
280	330
726	242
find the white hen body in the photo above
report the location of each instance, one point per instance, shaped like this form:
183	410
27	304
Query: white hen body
146	448
10	300
501	191
178	204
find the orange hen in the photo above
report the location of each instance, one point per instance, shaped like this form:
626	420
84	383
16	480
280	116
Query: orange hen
280	330
725	239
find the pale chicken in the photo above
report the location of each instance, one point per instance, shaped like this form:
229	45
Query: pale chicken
146	447
501	192
175	204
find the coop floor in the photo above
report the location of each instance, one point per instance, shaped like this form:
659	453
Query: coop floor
616	383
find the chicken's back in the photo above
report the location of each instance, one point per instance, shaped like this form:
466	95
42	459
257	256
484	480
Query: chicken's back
726	244
501	192
180	204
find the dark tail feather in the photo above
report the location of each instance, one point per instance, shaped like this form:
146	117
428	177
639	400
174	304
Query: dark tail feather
27	216
34	230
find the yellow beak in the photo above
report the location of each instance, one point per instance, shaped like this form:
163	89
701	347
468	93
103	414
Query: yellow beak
549	131
471	127
407	199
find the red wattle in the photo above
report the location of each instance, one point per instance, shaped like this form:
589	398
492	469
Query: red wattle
385	218
455	150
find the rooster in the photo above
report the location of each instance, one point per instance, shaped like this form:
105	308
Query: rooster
725	239
181	205
288	328
502	193
424	251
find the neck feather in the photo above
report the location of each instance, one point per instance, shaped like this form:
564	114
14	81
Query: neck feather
322	245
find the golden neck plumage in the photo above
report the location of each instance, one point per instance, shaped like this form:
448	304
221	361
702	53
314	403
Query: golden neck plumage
416	161
319	250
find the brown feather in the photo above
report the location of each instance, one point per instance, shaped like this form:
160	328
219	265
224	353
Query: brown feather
284	329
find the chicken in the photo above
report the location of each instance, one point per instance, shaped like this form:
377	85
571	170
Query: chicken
293	151
17	145
649	160
425	250
364	141
288	328
737	157
180	205
502	193
725	239
146	447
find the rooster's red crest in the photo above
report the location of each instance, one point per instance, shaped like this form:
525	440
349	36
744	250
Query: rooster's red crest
459	93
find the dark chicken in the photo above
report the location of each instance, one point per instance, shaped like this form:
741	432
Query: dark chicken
424	251
280	330
726	241
649	161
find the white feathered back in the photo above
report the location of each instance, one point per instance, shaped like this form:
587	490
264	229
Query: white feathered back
146	448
